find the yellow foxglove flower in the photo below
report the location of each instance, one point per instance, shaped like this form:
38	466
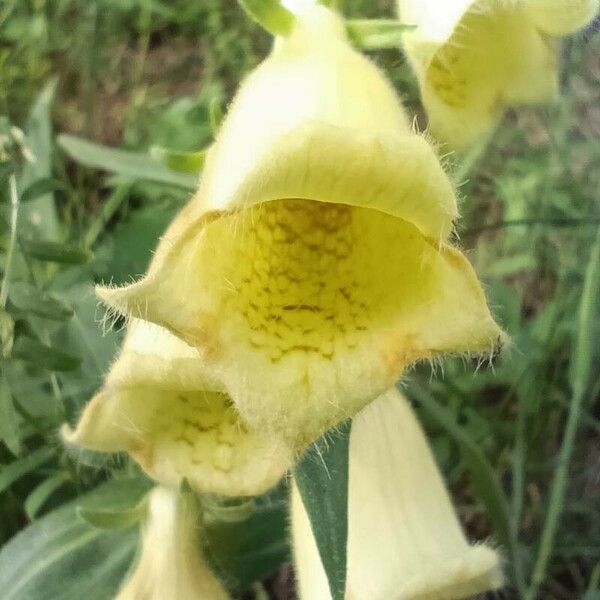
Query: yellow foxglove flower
404	540
170	565
473	58
158	405
315	267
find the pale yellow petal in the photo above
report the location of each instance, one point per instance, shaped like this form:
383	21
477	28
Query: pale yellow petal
404	540
495	57
305	311
561	17
170	565
317	120
177	435
153	357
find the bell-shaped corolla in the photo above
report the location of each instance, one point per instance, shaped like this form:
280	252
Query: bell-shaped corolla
159	404
175	422
315	266
404	539
474	58
170	564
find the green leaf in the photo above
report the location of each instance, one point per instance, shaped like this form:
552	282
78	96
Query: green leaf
252	549
31	300
123	162
582	359
215	114
585	350
109	208
60	557
55	252
270	15
18	468
7	333
40	214
322	478
9	427
41	187
376	34
181	162
113	519
42	356
38	497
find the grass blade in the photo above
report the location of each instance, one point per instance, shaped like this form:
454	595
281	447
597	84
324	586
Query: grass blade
19	468
580	376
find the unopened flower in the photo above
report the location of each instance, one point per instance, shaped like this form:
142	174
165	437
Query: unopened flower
170	565
474	58
315	265
404	540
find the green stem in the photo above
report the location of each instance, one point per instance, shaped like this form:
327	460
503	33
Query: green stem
583	356
270	15
14	219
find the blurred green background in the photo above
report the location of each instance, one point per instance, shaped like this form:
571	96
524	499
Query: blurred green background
136	74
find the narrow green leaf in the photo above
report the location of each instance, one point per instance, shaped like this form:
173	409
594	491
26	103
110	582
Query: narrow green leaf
7	333
109	208
582	358
18	468
38	497
215	114
9	427
31	300
270	15
39	188
55	252
376	34
113	519
180	162
136	165
42	356
322	479
586	350
40	215
59	556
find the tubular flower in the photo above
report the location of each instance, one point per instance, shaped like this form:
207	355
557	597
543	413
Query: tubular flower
159	405
404	540
473	58
170	563
314	265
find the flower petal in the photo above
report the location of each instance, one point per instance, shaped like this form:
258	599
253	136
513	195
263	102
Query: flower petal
170	564
561	17
177	435
306	311
396	174
404	540
154	357
494	57
317	120
162	407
